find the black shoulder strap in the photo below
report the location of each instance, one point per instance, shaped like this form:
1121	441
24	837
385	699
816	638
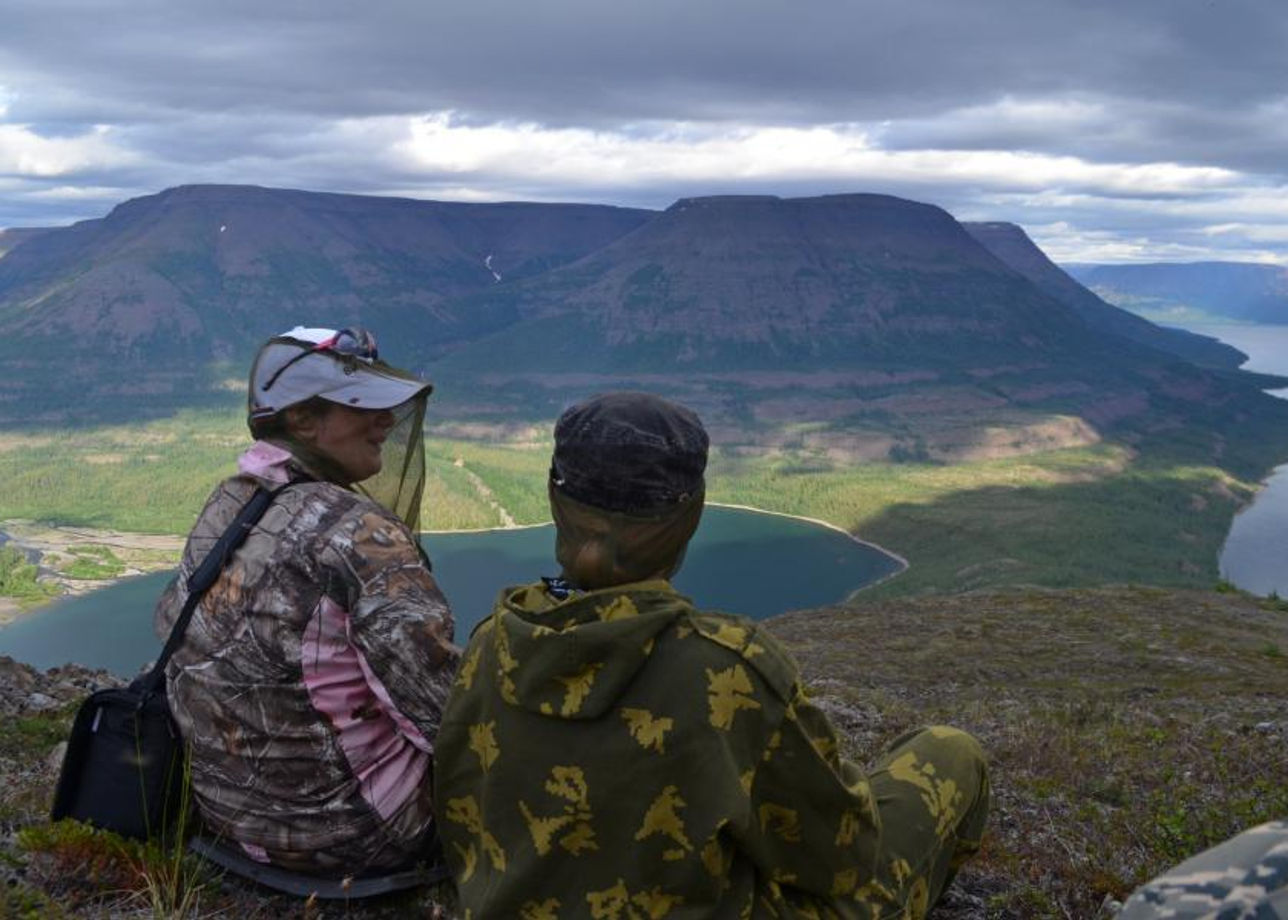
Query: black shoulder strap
205	575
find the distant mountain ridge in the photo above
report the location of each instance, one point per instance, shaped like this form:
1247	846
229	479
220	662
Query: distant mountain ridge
139	303
809	275
1245	291
1014	247
881	318
741	283
881	322
220	261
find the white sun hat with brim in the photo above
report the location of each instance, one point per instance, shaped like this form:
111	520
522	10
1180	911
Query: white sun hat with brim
340	366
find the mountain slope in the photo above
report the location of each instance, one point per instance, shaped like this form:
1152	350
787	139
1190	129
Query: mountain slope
139	303
869	325
765	280
1126	729
197	256
879	320
13	236
1232	290
1012	245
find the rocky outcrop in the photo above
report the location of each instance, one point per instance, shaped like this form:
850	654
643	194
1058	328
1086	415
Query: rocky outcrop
24	689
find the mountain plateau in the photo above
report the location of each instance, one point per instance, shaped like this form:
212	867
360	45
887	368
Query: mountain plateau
848	322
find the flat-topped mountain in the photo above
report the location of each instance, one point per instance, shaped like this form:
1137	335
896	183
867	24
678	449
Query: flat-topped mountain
138	301
880	322
761	281
1225	290
223	260
1012	245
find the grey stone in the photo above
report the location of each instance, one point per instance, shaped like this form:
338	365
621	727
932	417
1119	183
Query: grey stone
54	760
40	701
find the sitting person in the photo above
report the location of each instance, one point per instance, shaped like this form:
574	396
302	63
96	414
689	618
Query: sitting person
608	751
1245	878
311	680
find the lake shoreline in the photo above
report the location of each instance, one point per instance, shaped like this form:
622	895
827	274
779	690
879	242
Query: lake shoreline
12	609
1250	554
904	564
54	546
1251	549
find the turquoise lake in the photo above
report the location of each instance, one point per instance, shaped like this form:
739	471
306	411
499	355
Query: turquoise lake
742	561
1255	555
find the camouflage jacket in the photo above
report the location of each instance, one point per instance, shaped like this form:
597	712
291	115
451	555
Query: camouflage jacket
620	755
311	680
1245	878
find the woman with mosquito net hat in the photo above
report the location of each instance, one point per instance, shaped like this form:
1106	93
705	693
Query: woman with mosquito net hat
311	680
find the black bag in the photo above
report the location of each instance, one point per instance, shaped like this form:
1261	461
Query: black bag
124	767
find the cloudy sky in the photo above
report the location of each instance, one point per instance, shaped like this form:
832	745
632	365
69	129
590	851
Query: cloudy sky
1112	130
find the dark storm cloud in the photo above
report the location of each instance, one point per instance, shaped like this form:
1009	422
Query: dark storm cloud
579	60
99	102
1246	136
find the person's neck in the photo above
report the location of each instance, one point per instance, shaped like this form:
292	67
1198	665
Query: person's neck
314	463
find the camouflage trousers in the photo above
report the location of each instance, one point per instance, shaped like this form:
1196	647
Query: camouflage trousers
1245	878
931	789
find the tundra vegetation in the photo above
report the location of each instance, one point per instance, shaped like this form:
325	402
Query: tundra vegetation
861	360
1082	515
1127	728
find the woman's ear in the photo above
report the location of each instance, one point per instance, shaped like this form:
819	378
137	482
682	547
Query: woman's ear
302	422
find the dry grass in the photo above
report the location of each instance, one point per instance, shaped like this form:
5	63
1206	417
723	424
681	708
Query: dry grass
1128	728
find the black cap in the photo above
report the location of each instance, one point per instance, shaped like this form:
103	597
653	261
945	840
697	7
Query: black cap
629	452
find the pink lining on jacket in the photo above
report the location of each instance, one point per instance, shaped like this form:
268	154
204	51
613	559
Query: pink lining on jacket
384	749
265	461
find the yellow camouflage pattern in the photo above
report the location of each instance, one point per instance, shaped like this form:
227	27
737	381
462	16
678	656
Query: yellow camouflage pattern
617	755
646	728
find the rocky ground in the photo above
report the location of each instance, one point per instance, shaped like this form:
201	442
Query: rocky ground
1127	728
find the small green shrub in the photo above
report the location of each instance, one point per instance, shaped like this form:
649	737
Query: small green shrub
80	865
93	561
18	577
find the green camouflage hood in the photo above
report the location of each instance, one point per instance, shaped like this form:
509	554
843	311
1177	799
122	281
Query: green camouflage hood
573	658
619	754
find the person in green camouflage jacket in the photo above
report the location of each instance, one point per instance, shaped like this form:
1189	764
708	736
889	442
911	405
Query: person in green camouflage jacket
611	752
